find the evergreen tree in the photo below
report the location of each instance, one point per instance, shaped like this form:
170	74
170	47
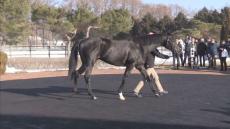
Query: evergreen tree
115	21
209	16
225	31
217	17
147	24
166	25
181	21
203	15
82	18
52	19
14	20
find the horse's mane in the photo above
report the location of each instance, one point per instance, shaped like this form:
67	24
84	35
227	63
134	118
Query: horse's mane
148	39
106	40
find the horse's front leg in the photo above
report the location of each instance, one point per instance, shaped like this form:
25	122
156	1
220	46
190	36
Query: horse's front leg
88	82
127	72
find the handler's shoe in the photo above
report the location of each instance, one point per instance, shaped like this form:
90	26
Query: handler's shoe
163	92
138	94
157	95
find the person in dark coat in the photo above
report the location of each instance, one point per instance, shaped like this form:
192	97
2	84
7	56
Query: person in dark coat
212	53
201	52
227	44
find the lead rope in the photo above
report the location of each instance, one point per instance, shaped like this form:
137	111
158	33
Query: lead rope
163	62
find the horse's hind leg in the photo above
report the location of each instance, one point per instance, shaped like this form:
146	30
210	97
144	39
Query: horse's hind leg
78	73
88	82
127	72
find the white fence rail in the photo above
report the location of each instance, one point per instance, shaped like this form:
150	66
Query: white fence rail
58	52
45	51
36	51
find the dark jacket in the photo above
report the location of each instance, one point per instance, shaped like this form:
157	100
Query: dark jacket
150	58
188	46
212	49
228	47
149	62
201	48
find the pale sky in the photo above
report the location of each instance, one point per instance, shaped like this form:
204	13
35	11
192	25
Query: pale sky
189	5
193	5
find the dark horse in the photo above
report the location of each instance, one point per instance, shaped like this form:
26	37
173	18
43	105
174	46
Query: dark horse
116	52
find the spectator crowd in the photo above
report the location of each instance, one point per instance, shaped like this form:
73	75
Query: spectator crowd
195	52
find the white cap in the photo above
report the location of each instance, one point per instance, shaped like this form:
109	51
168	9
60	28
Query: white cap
151	33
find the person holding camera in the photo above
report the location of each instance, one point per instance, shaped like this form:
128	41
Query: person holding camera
223	54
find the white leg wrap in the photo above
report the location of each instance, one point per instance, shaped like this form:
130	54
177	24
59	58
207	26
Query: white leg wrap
121	96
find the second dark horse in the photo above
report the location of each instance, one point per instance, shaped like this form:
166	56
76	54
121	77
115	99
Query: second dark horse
116	52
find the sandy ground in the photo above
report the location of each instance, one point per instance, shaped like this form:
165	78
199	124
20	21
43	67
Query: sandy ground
20	76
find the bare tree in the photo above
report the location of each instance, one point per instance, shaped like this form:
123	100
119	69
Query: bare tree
37	3
97	6
177	9
134	6
69	4
157	10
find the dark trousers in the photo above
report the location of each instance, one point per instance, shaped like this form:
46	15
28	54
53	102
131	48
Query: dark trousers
212	61
186	55
223	64
202	60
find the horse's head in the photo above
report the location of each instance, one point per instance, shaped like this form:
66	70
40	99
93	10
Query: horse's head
172	43
167	42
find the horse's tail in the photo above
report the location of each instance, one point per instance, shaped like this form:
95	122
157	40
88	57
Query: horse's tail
73	60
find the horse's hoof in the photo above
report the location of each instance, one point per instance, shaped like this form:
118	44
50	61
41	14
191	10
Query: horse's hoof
94	98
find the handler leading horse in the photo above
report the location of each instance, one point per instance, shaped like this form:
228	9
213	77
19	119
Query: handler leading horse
116	52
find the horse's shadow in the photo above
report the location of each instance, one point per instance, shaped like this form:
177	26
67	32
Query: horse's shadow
61	93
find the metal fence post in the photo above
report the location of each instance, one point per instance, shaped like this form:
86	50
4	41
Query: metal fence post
30	49
49	51
10	54
65	51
